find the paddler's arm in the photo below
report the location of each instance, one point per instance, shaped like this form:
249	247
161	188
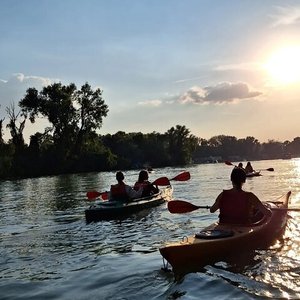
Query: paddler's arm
216	206
259	205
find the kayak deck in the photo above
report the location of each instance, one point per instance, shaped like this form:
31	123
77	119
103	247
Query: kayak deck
219	242
253	174
110	210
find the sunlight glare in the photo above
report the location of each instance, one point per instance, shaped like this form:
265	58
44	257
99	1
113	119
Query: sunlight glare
283	66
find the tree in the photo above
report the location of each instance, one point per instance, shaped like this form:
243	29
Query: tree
55	102
73	114
1	130
249	147
92	109
16	131
181	144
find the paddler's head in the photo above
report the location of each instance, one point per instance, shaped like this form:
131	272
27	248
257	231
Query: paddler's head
119	176
238	176
143	176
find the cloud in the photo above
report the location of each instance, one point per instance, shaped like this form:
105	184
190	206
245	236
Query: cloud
286	16
13	89
241	66
222	93
189	79
154	103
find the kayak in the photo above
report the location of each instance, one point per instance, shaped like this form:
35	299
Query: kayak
253	174
223	242
110	210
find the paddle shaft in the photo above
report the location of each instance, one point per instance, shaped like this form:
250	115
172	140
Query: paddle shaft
229	163
181	207
285	209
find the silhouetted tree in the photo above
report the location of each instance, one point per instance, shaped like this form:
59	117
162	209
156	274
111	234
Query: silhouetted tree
73	114
181	144
16	131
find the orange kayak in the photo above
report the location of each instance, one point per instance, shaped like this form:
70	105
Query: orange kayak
220	242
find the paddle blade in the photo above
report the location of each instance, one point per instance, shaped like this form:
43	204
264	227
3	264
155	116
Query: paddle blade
163	181
184	176
93	194
104	196
180	207
229	163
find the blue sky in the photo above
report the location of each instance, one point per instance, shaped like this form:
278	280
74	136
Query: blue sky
213	66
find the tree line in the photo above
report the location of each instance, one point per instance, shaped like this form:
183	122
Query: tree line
71	144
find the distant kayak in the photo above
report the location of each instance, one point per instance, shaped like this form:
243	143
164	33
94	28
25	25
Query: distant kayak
253	174
110	210
222	242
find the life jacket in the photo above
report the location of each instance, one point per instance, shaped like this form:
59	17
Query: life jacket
235	207
118	192
147	187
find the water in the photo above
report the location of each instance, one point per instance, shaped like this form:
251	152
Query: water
48	251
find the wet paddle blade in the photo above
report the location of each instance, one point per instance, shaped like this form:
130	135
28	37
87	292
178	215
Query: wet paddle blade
181	207
93	194
104	196
184	176
162	181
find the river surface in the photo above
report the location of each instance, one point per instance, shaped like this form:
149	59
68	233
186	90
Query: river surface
48	251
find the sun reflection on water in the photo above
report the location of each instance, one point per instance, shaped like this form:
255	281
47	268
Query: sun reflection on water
278	268
295	181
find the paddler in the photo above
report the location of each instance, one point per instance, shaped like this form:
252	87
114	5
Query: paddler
123	192
237	206
143	182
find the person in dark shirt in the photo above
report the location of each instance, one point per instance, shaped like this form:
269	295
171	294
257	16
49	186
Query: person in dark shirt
236	205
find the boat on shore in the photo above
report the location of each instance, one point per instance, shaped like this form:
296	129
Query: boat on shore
110	210
223	242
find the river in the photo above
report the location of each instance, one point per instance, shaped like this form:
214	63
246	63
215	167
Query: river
48	251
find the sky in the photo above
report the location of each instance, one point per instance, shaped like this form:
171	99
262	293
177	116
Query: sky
217	67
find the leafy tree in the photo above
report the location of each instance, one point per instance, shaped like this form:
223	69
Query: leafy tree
16	131
272	150
92	109
55	102
74	115
181	144
1	130
248	147
294	147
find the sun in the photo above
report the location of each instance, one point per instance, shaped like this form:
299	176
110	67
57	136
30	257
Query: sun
283	66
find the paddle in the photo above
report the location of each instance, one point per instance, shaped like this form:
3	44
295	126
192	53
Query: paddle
231	164
94	194
286	209
184	176
181	207
163	181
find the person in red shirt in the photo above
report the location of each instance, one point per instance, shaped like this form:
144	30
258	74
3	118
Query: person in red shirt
143	182
236	205
122	191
